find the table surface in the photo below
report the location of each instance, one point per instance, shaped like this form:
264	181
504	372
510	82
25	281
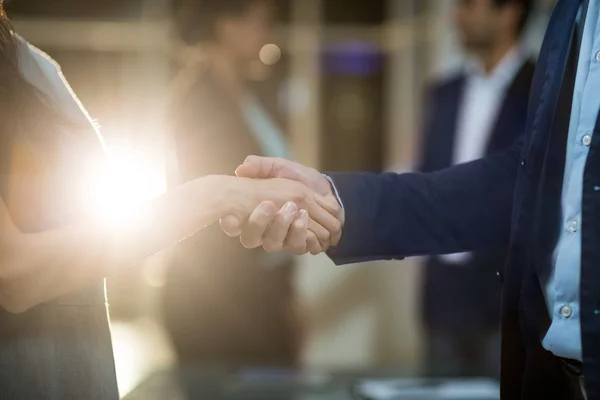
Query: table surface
278	385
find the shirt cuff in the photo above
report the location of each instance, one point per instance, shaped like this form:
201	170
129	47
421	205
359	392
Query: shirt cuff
335	191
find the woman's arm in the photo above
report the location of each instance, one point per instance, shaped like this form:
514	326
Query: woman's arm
37	267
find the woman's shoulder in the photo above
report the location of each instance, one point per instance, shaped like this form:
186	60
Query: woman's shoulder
45	74
29	53
38	67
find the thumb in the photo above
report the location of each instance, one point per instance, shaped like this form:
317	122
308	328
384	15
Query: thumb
259	167
231	225
252	167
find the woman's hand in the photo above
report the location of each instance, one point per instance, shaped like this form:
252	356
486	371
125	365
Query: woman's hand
288	226
314	217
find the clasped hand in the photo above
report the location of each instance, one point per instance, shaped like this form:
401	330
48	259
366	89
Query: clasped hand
299	226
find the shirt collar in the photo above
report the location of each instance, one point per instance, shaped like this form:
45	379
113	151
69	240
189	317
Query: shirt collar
503	73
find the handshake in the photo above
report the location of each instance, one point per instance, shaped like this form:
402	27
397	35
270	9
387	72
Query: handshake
297	210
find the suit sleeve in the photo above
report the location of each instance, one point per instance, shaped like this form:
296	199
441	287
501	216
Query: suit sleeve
462	208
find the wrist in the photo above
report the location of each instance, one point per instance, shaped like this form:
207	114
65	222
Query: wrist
333	190
217	193
335	196
234	195
341	216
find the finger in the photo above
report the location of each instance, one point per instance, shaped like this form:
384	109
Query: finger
323	219
251	168
321	233
329	204
297	234
275	234
269	167
335	227
259	167
313	244
231	225
256	225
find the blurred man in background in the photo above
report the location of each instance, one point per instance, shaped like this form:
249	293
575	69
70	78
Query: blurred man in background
480	110
539	199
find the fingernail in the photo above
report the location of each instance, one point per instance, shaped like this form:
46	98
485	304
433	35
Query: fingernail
290	207
266	207
303	219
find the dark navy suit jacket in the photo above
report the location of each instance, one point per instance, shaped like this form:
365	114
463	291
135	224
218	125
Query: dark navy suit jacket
510	198
466	298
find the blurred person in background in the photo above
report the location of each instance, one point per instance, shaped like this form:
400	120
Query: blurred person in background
480	110
56	248
540	199
227	306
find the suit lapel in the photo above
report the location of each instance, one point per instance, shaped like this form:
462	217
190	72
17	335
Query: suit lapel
548	80
549	191
511	111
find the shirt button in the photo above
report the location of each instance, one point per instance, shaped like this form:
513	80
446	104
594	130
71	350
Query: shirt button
573	226
566	311
586	140
598	56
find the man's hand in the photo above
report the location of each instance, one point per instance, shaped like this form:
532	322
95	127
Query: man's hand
282	230
265	167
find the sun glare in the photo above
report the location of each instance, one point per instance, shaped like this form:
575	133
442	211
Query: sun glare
124	185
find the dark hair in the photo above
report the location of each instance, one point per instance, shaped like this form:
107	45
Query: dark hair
526	7
196	19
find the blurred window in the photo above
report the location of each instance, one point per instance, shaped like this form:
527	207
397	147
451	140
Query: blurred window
354	111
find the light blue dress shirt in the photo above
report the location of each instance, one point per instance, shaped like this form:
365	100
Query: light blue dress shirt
562	288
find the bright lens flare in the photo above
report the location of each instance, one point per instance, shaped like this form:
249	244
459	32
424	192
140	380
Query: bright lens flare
122	187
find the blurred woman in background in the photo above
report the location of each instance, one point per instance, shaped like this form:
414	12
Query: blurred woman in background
228	307
54	333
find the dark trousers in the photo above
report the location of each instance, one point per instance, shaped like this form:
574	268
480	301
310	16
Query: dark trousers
466	354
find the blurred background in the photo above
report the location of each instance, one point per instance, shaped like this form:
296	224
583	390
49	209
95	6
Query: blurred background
343	79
